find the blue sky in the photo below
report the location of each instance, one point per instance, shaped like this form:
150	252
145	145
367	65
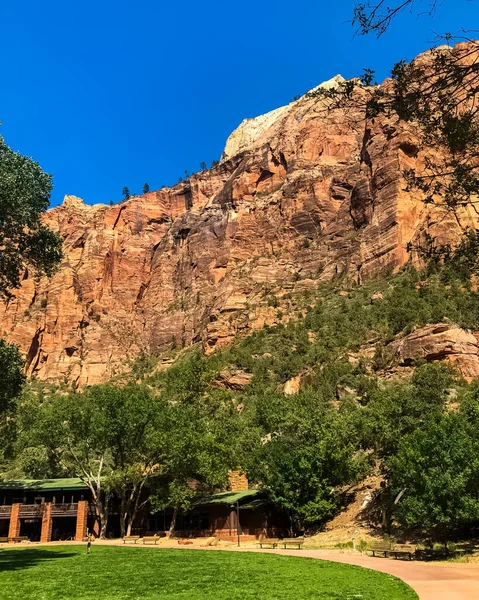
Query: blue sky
112	93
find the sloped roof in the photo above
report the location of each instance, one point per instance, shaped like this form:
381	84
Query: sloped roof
229	497
44	485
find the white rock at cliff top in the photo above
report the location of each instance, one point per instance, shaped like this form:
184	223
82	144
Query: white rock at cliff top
250	130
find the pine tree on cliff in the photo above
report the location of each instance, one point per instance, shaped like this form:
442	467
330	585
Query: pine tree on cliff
146	188
126	192
203	166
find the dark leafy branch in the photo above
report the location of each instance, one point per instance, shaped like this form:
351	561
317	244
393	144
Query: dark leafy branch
376	17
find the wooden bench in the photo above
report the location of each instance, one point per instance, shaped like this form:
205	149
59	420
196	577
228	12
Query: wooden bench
3	540
18	539
408	549
299	541
383	548
151	539
131	538
273	542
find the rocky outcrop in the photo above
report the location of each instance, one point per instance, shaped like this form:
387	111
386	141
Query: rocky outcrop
234	380
250	131
440	342
311	192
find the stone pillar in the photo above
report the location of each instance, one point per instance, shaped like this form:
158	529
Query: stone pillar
46	534
82	517
14	528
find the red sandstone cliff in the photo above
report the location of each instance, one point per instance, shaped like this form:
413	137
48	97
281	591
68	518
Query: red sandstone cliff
303	193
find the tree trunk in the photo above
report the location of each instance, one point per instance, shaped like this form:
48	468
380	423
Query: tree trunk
136	494
123	517
173	522
291	524
103	510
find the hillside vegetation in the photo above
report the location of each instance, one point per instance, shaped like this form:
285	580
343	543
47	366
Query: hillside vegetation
355	412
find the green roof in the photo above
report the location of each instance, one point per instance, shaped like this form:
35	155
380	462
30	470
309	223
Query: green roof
44	485
229	497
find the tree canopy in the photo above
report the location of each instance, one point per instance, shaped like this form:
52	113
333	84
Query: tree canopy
24	241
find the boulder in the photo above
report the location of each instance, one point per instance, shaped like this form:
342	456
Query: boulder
442	341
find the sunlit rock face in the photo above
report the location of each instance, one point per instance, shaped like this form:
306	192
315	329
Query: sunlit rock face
304	194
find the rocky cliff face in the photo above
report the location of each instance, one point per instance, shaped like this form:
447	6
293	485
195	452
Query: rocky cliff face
301	195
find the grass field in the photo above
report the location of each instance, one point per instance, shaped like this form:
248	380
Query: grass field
68	573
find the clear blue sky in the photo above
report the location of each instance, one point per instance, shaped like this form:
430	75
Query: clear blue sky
112	93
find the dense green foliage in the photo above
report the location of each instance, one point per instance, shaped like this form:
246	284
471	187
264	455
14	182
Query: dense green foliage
119	439
24	196
68	573
12	377
437	469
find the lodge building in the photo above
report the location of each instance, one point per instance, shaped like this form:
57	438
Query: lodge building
62	509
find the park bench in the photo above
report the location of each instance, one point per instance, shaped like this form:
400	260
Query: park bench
408	549
131	538
20	538
3	540
151	539
383	548
299	541
273	542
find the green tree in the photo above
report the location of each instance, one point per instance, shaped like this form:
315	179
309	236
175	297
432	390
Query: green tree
200	451
303	453
24	197
12	377
107	436
203	433
12	380
434	476
203	166
126	193
146	188
399	408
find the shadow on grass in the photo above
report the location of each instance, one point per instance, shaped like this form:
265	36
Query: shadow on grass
15	560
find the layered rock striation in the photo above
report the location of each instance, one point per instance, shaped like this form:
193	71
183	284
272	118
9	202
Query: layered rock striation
306	193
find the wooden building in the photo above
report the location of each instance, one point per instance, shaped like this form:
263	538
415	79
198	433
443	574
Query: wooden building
62	509
45	510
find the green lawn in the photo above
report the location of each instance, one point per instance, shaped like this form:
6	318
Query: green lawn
116	573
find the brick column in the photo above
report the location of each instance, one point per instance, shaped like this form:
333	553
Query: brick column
14	528
46	534
82	516
238	481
